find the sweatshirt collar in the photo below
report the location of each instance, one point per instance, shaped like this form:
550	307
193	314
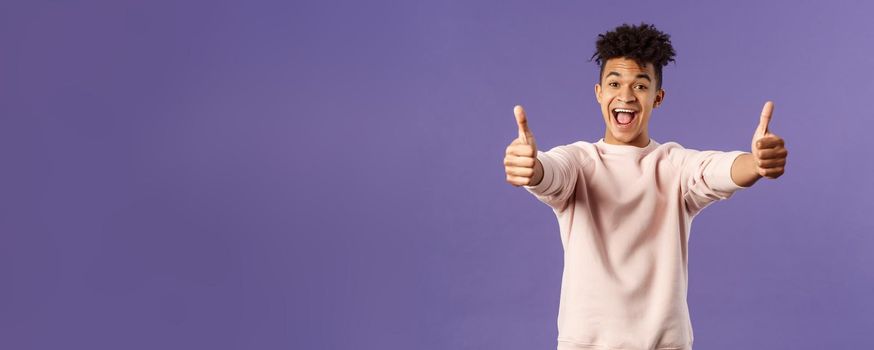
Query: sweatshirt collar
625	149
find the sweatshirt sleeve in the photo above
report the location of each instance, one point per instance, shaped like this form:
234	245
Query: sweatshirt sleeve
560	172
707	178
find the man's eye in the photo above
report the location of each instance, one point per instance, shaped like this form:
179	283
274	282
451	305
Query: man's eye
641	87
614	84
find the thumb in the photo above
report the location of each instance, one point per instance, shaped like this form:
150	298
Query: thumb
765	119
522	122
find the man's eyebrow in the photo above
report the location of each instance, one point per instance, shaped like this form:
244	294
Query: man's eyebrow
639	76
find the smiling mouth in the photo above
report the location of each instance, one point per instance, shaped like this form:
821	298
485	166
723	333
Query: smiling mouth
624	116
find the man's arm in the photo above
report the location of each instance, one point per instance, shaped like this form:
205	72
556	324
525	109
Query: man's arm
768	157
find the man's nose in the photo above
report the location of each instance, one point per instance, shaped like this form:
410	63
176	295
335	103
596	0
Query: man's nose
626	95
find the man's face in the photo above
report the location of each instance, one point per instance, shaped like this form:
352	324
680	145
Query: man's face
627	94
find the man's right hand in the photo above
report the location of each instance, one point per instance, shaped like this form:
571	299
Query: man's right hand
520	161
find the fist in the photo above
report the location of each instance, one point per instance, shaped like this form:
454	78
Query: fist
768	149
520	160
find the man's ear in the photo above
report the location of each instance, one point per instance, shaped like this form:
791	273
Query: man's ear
598	92
660	97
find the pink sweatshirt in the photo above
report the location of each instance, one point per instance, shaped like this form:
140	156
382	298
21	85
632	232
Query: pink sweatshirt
624	214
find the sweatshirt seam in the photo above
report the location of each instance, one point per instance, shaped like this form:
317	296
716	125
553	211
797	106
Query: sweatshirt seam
590	345
678	171
587	159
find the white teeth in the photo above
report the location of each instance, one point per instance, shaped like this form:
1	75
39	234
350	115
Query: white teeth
621	110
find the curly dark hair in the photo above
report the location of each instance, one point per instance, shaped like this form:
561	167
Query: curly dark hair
643	44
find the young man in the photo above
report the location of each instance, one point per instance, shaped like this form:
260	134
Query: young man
625	203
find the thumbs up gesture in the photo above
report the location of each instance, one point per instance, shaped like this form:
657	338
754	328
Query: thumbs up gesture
520	160
768	149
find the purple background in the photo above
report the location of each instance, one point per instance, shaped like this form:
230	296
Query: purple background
328	175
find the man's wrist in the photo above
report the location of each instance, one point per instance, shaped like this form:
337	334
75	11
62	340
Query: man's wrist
743	170
538	173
